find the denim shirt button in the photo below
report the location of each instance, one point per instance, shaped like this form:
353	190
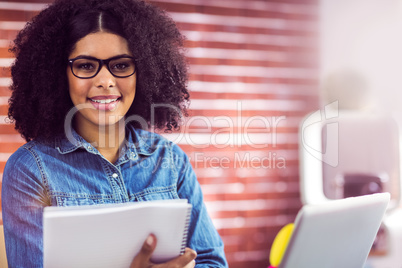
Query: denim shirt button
115	175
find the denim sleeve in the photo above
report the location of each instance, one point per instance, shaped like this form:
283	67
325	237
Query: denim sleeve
203	237
23	200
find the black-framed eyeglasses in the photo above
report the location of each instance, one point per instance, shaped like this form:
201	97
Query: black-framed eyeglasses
86	67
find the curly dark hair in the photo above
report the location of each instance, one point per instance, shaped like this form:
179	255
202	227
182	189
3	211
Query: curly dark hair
40	97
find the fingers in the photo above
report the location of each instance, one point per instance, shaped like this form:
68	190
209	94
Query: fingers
190	255
187	260
143	257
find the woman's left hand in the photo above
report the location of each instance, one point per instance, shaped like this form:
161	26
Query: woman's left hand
143	258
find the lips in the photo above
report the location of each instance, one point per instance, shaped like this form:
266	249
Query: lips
105	103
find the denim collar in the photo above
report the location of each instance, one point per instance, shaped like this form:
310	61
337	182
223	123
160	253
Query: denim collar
135	144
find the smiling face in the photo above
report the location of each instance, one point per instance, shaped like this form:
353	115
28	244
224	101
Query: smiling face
104	99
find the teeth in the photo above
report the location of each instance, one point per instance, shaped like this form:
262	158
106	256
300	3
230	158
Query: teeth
104	101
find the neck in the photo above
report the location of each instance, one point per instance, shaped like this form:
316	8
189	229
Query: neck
108	140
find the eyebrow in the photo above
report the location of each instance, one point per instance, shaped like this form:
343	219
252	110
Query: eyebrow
92	57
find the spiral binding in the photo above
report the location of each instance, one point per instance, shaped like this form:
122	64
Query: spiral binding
185	231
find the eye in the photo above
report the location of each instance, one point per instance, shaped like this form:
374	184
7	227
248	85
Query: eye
85	65
122	65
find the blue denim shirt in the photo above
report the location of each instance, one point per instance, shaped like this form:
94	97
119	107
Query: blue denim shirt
69	172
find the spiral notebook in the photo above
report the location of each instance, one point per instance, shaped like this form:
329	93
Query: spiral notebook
111	235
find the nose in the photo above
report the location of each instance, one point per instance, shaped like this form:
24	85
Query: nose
105	79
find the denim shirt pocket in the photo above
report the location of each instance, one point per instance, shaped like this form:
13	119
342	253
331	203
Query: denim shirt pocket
67	199
156	193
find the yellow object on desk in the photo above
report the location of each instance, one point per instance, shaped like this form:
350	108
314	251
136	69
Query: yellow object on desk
280	244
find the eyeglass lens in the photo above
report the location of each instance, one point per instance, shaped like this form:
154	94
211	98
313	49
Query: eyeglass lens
119	67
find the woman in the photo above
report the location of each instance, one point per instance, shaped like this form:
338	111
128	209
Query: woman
90	77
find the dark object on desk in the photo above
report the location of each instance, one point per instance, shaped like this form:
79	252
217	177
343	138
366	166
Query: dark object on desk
361	184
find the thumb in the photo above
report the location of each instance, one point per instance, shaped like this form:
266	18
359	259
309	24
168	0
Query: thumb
144	255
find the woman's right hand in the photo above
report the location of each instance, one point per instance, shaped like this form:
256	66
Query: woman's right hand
143	258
